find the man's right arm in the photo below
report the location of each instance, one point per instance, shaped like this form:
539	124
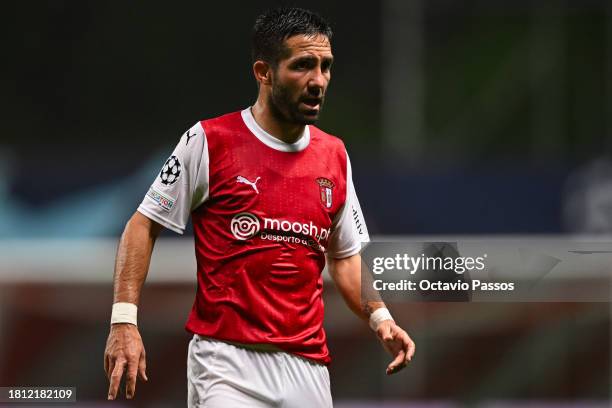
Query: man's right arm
124	348
179	188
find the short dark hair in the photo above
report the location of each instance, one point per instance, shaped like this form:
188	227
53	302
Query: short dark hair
273	27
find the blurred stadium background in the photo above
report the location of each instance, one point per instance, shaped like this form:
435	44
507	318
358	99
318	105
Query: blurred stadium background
476	118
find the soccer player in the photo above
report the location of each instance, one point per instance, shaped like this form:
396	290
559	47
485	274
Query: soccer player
270	197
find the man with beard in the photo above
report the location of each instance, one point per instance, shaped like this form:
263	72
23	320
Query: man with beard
270	197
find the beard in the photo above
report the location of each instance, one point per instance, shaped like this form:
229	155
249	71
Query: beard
285	109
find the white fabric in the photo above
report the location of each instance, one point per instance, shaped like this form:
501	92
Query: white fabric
124	312
271	141
221	375
171	204
379	316
350	231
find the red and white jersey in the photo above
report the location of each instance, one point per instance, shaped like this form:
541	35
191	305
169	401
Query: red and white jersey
265	213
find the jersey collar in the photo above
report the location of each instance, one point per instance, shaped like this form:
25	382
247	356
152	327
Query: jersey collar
272	141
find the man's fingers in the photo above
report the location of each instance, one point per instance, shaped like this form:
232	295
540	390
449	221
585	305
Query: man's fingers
399	359
407	345
110	366
395	369
115	379
106	366
142	366
410	350
130	381
398	343
398	363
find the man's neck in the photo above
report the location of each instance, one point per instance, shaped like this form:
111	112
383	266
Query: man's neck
287	132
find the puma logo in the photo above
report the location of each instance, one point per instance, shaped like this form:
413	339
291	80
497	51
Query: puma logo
189	137
244	180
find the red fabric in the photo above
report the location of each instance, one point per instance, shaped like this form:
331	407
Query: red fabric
260	290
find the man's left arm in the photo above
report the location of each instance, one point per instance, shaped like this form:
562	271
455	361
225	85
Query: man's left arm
346	273
344	263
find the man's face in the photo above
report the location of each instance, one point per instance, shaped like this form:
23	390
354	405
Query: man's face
300	80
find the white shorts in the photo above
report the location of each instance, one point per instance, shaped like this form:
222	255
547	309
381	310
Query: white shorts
221	375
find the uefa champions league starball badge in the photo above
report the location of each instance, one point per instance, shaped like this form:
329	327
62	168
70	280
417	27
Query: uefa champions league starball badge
171	171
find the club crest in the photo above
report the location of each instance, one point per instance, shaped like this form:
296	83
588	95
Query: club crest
325	191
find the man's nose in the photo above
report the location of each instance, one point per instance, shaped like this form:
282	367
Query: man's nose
317	82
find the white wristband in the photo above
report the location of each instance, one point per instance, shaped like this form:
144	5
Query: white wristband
378	316
124	313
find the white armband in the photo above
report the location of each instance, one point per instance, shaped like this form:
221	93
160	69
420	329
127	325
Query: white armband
378	316
124	312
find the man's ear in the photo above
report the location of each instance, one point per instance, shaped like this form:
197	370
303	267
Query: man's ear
263	72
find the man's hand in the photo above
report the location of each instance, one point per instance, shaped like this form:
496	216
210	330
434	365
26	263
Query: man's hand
124	351
397	342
